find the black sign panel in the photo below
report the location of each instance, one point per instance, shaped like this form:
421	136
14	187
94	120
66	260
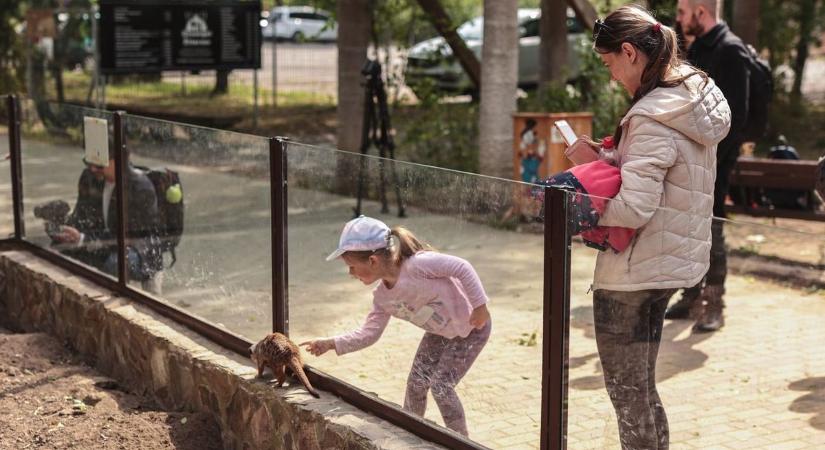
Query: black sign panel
138	36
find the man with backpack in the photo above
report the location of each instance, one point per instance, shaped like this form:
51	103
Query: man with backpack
90	232
726	59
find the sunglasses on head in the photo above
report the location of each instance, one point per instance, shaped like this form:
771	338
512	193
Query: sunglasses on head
598	28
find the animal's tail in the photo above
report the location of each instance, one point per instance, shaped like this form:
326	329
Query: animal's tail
298	369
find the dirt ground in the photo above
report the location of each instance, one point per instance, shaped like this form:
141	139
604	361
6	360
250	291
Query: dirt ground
799	241
51	399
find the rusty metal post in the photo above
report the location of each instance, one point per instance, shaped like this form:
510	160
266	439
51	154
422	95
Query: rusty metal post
15	158
556	324
278	191
121	156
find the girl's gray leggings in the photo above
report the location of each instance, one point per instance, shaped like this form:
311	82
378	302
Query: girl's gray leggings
438	366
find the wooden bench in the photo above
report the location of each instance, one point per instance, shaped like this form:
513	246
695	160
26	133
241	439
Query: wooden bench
755	173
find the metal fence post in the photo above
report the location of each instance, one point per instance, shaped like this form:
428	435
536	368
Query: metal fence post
121	156
556	324
278	191
15	158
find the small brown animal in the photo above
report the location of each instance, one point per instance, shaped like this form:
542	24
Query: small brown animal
277	352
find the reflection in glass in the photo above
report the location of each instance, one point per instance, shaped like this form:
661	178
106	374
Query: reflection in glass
468	216
219	266
69	209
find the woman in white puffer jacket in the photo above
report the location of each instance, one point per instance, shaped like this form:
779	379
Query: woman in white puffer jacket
667	155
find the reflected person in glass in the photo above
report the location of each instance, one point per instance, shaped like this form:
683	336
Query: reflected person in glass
666	151
90	233
440	293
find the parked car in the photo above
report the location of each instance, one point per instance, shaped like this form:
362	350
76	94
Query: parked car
432	61
300	23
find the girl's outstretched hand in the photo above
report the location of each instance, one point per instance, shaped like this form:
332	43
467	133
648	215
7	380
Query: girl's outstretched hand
479	317
318	347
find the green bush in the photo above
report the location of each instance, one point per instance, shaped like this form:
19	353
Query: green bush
439	134
12	63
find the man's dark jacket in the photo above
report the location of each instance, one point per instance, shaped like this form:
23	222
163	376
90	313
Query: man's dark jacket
142	229
726	59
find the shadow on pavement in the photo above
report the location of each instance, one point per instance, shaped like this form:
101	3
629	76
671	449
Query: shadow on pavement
675	355
811	403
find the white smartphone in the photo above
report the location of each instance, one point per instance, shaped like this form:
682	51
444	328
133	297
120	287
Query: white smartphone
566	132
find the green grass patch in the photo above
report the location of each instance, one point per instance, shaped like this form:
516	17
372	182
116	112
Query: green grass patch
172	97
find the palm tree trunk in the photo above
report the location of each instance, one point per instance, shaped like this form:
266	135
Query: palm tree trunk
499	79
553	46
354	27
746	20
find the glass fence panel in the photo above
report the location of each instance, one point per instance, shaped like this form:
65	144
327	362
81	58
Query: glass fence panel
589	414
63	196
6	206
213	212
486	221
762	372
753	382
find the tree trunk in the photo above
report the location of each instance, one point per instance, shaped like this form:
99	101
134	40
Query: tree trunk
807	17
746	20
57	73
553	46
585	12
447	29
221	83
354	27
499	76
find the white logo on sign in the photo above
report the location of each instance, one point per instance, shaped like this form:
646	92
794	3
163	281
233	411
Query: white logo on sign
196	32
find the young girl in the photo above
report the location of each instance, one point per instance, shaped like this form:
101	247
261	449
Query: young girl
440	293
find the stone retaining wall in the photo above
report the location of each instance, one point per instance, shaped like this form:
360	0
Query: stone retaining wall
180	369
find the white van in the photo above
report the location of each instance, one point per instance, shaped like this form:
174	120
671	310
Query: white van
300	23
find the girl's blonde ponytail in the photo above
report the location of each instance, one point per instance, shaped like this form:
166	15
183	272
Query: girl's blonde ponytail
406	244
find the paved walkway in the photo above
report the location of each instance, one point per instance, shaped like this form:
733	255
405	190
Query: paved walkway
758	383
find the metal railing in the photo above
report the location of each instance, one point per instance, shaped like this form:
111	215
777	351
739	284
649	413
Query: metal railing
557	247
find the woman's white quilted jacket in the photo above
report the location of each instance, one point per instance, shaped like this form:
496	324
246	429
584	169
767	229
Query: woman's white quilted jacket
667	156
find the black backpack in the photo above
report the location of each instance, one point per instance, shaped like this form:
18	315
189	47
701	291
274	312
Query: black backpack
760	95
785	198
169	192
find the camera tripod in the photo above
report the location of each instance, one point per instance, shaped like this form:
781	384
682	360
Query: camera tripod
376	130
